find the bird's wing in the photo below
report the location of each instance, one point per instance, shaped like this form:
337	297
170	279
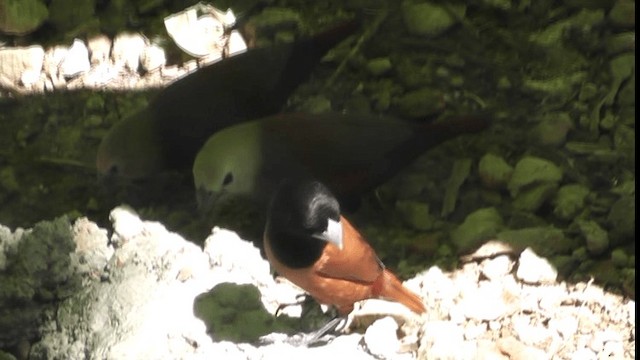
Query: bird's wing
345	152
356	261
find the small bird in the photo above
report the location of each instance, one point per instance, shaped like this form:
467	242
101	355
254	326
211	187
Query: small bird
310	243
350	154
167	134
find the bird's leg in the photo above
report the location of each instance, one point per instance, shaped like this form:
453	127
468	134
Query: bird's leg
301	299
322	335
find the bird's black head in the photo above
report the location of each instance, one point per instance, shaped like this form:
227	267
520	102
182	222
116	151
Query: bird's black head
301	220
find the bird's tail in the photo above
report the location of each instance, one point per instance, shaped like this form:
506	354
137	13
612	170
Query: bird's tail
389	287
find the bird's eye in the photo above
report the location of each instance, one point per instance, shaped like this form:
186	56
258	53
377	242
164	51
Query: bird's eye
227	179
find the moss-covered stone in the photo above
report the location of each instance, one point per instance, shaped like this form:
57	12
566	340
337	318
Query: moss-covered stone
531	199
622	220
552	130
532	170
544	240
623	14
481	225
430	19
596	238
37	273
494	171
570	200
19	17
421	103
416	214
234	312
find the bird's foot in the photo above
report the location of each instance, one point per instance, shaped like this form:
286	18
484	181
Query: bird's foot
300	300
321	336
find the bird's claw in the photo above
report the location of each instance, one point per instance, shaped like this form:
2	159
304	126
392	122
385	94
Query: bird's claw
300	299
323	335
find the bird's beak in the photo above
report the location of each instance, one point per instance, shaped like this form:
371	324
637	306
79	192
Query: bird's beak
207	199
332	234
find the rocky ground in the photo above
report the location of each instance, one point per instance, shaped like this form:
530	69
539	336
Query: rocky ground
555	173
146	293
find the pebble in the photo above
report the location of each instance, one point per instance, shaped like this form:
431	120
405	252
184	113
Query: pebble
127	49
583	354
622	14
429	19
530	333
485	302
530	170
478	226
76	60
416	214
441	340
532	198
381	338
621	220
552	130
126	223
14	62
495	269
379	66
597	239
421	103
566	326
24	16
619	258
570	200
153	58
516	350
494	171
533	269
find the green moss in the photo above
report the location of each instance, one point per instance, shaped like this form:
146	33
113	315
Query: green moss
234	312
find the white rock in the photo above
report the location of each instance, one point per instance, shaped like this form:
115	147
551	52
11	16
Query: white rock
127	49
92	246
488	350
484	303
227	251
30	78
378	308
236	44
530	333
53	57
99	48
519	351
603	337
100	74
197	35
14	62
443	340
381	338
126	223
551	297
474	330
76	60
583	354
566	326
496	268
153	58
533	269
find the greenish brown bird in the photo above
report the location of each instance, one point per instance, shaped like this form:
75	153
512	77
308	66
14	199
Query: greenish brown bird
167	134
350	154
